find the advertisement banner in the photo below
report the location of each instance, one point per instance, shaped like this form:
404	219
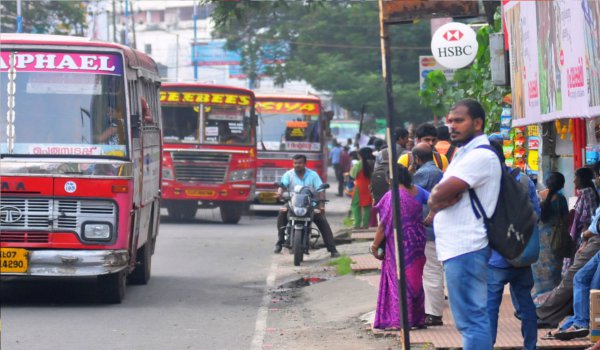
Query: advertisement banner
554	59
54	62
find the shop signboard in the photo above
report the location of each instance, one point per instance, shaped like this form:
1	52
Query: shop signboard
397	11
428	64
554	59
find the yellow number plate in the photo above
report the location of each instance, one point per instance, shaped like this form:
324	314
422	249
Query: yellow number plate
200	193
267	197
13	260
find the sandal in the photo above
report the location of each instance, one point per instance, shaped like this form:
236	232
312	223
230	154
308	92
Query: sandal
548	336
572	333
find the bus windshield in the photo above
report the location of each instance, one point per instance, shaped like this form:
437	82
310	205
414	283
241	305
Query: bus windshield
289	132
66	113
344	130
217	124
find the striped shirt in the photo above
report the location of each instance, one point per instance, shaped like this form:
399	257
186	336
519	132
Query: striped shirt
457	230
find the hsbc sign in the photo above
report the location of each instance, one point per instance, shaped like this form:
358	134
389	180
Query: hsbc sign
454	45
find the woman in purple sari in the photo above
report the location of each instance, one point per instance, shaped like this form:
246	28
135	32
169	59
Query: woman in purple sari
412	199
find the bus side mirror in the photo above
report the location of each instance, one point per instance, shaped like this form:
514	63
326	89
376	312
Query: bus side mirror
328	115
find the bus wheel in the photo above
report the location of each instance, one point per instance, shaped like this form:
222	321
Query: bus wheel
112	287
143	263
231	213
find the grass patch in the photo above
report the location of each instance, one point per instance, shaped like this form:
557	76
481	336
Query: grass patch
342	265
348	222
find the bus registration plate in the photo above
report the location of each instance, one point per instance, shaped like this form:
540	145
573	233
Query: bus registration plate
13	260
267	197
199	193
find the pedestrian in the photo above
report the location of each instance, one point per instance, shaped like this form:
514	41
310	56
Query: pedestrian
460	238
300	175
587	278
520	279
554	216
335	157
427	176
426	133
412	199
443	144
361	200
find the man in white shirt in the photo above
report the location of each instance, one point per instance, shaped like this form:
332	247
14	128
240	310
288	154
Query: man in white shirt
461	238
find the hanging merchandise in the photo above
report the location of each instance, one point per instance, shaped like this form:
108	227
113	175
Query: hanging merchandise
533	146
505	121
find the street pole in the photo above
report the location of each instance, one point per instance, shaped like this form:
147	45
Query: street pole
396	210
195	38
133	25
114	20
126	23
19	18
177	58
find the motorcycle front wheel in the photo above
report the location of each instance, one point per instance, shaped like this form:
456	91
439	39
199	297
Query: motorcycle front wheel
298	247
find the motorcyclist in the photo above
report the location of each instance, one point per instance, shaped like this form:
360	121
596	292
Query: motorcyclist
300	175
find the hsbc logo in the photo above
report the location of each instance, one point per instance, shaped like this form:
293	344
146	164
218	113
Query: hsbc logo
454	45
453	35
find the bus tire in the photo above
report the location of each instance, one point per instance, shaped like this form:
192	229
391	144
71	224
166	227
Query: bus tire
112	287
143	261
231	213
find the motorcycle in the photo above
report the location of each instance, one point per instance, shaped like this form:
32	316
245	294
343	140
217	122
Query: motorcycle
301	207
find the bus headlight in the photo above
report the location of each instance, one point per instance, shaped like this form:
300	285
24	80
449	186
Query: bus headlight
97	231
167	174
241	175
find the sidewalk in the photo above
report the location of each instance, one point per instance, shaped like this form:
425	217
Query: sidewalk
366	271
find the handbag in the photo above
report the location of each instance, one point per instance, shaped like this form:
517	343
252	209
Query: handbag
560	240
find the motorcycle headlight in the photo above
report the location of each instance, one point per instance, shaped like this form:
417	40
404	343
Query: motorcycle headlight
167	174
241	175
299	211
97	231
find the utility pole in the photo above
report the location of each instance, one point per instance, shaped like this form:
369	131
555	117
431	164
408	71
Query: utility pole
19	18
133	24
114	21
126	23
194	56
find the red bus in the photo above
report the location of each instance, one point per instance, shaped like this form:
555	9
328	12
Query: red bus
287	125
209	159
80	147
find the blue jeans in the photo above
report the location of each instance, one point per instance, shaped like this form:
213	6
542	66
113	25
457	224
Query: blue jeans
466	280
588	277
521	283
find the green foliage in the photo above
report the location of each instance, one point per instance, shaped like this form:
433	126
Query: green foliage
342	265
44	16
334	46
473	82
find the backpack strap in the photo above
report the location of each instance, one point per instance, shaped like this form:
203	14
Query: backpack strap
476	205
438	160
450	153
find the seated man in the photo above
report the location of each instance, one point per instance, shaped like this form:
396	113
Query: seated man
587	278
559	302
303	176
110	134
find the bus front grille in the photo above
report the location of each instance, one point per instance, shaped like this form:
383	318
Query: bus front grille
210	168
30	219
269	175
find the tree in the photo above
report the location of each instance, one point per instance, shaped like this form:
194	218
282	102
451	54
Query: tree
334	46
45	16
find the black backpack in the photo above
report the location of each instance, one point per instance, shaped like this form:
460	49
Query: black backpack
379	182
511	226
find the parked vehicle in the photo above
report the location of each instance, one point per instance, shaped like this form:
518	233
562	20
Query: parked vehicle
301	205
80	150
209	158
